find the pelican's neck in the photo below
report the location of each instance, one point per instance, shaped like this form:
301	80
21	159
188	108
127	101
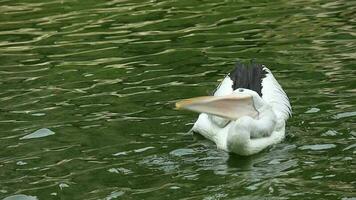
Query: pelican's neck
239	138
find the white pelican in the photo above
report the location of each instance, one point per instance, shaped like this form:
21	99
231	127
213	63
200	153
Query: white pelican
247	113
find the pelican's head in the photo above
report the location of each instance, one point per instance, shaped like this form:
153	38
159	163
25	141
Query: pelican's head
241	102
257	101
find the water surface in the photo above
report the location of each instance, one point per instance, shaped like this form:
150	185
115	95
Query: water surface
100	78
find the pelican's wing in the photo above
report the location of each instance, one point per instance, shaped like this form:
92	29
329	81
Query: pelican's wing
230	106
274	95
224	88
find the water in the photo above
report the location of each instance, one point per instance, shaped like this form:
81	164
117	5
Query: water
102	77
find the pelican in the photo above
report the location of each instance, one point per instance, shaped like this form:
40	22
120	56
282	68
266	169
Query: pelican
247	112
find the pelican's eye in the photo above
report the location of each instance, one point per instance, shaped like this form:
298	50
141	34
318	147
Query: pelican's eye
241	89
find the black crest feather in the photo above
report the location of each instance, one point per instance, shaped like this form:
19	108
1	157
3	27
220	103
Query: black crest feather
248	76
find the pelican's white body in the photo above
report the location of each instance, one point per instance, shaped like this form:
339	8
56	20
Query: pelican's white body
246	135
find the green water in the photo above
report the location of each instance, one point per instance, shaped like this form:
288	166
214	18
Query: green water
104	76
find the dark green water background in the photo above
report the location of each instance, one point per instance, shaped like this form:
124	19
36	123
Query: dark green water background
104	76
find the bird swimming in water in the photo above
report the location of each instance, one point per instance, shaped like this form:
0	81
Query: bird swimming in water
247	112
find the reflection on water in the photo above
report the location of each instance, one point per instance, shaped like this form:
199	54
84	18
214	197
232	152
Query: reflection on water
103	76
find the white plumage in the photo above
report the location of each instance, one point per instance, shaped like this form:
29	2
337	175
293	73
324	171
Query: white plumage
247	134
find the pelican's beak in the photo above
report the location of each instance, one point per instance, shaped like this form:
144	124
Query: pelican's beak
229	106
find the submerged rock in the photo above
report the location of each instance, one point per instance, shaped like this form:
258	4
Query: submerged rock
21	197
313	110
43	132
317	147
